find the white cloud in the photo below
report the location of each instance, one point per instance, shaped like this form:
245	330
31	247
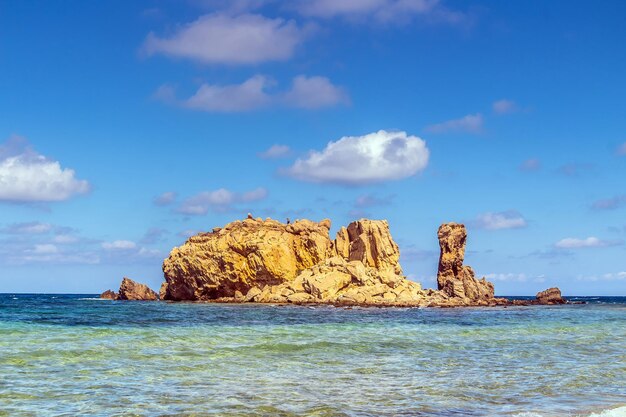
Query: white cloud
275	151
621	150
382	11
503	220
223	39
28	177
314	93
590	242
472	123
29	228
119	245
254	93
504	106
375	157
219	200
165	199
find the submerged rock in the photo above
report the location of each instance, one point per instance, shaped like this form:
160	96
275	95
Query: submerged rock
131	290
453	278
550	296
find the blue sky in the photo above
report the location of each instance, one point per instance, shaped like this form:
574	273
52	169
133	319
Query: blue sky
127	126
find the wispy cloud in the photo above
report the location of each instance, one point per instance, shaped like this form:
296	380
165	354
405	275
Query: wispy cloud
256	93
225	39
590	242
611	276
504	106
165	199
370	200
27	228
381	11
510	219
119	245
353	160
153	235
220	200
472	123
530	165
275	151
610	203
29	177
575	169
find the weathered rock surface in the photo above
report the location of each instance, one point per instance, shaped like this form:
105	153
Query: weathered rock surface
131	290
266	261
242	255
453	278
109	295
550	296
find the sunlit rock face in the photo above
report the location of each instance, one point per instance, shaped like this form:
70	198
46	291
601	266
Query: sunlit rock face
267	261
242	255
453	278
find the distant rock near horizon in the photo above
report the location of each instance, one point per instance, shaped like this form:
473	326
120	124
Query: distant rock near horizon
132	291
550	296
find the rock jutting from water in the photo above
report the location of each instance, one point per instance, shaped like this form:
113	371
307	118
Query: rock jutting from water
550	296
131	290
267	261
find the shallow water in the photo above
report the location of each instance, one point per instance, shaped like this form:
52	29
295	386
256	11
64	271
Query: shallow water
71	355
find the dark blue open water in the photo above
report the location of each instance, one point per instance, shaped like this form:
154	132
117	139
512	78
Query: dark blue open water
71	355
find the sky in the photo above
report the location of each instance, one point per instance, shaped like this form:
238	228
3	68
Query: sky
126	127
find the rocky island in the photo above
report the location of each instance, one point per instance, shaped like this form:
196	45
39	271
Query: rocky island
266	261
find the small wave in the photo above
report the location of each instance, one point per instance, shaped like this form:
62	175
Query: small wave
615	412
93	298
14	298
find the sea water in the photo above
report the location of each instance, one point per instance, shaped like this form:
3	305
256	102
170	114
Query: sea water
76	355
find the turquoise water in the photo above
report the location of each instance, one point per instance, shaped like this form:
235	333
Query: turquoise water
75	356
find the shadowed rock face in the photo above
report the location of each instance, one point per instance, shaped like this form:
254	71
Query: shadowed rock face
131	290
453	278
550	296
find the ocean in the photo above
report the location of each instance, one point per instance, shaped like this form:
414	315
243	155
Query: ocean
76	355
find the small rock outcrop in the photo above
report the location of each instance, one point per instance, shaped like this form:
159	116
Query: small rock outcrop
131	290
109	295
550	296
453	278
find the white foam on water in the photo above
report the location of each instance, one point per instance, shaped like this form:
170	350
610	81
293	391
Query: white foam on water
95	298
615	412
